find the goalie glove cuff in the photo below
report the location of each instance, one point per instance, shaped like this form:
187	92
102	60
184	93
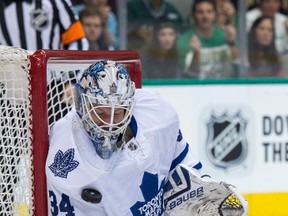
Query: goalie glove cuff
187	194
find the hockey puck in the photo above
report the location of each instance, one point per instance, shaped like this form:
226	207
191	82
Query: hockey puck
91	195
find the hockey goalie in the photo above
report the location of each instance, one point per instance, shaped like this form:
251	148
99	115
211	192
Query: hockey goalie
188	194
120	151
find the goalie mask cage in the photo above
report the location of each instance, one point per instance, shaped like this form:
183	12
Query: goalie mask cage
34	93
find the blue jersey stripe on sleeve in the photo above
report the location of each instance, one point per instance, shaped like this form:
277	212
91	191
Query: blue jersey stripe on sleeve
180	158
180	137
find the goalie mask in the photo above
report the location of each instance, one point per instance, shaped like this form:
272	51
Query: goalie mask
104	99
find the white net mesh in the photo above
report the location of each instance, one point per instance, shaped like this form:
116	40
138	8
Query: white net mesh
15	135
16	171
61	77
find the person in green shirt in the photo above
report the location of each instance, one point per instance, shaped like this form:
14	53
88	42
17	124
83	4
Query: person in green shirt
207	51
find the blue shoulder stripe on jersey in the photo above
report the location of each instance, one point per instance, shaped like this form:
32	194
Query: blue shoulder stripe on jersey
198	166
180	158
133	126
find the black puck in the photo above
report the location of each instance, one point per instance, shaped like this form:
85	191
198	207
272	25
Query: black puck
91	195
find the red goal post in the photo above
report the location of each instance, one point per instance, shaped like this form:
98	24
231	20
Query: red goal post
33	95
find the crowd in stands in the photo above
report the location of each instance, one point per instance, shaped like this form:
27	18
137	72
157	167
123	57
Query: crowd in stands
203	45
207	50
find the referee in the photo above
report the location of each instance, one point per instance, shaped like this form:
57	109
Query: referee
40	24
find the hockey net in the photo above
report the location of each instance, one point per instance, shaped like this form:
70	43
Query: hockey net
35	91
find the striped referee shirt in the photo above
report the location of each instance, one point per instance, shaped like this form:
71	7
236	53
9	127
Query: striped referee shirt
40	24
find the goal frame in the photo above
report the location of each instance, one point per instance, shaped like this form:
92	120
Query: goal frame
38	67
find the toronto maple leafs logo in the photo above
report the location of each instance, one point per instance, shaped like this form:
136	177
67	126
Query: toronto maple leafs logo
153	197
63	163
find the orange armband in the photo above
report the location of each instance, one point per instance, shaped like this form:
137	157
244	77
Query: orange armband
75	32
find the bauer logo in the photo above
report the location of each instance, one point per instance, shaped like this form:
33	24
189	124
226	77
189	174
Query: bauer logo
226	144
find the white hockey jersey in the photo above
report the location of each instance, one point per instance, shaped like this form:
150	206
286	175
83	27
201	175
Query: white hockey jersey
132	181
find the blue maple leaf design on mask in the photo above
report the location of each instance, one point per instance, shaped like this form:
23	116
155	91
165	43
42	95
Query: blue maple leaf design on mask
63	163
153	196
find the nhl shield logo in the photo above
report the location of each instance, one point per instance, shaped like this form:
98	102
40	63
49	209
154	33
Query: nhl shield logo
39	19
226	142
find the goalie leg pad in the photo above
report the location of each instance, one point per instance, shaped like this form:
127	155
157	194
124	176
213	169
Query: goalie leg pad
187	194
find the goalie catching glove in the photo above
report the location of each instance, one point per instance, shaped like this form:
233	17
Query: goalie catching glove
187	194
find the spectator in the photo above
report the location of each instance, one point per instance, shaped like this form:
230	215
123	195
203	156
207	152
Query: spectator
41	24
160	59
110	21
271	8
142	14
94	27
263	57
226	13
206	50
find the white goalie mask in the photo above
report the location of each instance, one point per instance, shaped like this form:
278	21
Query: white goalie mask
105	86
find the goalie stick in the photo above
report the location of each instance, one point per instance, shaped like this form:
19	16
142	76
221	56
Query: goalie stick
187	194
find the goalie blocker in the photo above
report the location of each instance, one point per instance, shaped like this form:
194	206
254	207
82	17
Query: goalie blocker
187	194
